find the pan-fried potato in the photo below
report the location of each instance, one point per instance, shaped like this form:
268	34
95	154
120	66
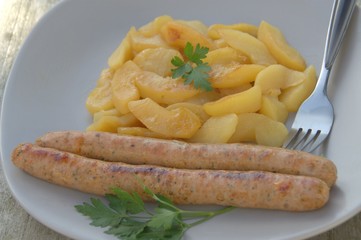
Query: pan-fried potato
278	77
164	90
243	102
105	124
178	34
277	44
273	108
216	129
123	86
204	97
294	96
100	97
243	74
243	27
122	54
225	55
157	60
153	28
195	108
198	25
109	123
257	128
110	112
229	91
138	42
140	131
249	45
176	123
256	75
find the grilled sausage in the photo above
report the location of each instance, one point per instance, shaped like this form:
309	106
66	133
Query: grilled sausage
251	189
177	154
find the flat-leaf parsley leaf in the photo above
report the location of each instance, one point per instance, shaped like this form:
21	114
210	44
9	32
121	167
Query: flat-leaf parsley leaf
127	218
194	70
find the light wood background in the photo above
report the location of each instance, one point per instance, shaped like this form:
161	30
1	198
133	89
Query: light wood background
17	18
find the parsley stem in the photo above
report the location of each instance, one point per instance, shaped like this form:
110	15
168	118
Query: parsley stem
198	214
211	215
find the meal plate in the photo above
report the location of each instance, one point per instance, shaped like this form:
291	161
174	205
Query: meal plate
59	64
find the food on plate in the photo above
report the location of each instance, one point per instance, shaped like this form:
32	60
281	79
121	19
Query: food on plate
243	102
135	221
177	123
179	154
277	44
216	129
231	69
249	45
260	129
173	115
292	97
251	189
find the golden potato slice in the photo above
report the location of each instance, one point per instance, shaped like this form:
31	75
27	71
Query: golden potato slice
138	42
100	98
123	87
176	123
157	60
140	131
204	97
277	77
121	54
271	133
220	70
216	130
220	43
198	25
273	108
224	56
257	128
195	108
106	76
243	102
293	97
178	34
153	28
243	27
164	90
239	76
110	112
229	91
105	124
109	123
277	44
249	45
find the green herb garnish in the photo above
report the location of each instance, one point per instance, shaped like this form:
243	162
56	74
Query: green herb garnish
195	70
127	218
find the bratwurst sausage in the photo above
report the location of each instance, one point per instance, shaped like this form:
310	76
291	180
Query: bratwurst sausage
251	189
177	154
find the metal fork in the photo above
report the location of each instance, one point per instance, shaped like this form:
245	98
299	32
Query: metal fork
315	117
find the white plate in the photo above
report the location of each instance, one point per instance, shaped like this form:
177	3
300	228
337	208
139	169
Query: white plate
59	64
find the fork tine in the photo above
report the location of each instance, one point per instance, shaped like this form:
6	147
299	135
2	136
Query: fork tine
311	139
316	142
307	141
292	137
299	138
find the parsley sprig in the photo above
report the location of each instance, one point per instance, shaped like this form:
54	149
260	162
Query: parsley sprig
126	216
194	70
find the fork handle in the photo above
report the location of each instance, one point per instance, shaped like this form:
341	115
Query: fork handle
340	19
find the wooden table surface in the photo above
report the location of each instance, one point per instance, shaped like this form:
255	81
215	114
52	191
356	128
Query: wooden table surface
17	18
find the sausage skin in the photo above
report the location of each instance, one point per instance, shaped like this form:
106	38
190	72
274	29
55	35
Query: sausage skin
177	154
250	189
